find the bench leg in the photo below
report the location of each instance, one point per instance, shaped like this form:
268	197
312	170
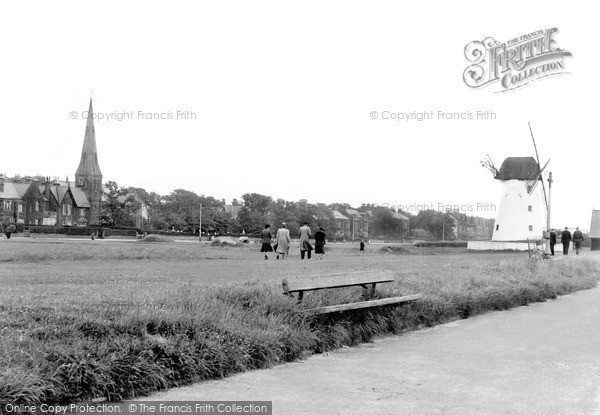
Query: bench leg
300	295
373	289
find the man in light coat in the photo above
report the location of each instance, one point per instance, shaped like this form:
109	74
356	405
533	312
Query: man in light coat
283	241
305	246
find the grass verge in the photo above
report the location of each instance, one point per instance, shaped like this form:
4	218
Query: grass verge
62	354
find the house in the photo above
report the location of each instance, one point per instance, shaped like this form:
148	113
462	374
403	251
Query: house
470	227
359	224
343	224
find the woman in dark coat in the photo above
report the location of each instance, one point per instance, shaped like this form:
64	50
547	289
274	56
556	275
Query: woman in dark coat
266	240
320	243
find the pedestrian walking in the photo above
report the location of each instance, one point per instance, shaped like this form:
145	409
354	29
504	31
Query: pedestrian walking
565	239
266	237
320	243
282	244
577	240
362	246
552	240
305	246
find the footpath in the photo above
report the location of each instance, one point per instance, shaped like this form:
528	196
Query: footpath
539	359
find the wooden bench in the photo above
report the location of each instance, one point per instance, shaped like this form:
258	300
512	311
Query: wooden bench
366	280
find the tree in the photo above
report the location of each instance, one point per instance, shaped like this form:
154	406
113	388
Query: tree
438	223
255	202
384	223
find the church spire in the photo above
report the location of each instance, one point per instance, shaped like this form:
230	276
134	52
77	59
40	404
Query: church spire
89	156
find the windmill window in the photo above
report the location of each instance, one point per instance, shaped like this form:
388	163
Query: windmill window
497	227
530	228
530	208
80	181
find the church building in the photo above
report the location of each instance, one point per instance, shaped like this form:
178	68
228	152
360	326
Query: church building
45	201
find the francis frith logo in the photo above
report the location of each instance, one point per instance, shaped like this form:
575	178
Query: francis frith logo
514	63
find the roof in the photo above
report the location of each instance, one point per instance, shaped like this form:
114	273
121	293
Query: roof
233	210
10	191
595	226
400	216
79	196
14	190
518	168
81	199
355	213
338	215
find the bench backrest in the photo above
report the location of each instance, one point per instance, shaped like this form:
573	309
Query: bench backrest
336	281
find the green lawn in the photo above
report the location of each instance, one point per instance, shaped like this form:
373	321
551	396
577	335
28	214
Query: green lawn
82	319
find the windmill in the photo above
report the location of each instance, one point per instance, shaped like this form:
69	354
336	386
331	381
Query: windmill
519	215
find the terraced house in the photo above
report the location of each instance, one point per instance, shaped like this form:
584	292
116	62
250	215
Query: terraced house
44	201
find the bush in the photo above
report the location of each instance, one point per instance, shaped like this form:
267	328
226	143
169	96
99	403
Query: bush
155	238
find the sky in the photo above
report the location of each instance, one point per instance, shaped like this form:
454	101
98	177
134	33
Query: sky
227	98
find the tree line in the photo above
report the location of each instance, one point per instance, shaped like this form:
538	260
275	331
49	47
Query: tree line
180	211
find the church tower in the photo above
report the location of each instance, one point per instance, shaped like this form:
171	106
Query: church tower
88	176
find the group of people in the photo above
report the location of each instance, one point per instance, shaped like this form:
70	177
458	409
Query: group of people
282	242
565	238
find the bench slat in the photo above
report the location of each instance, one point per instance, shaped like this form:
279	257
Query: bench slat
336	281
362	304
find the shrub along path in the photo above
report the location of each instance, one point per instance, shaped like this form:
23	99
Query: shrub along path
537	359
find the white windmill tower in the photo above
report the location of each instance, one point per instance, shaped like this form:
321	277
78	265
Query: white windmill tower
519	214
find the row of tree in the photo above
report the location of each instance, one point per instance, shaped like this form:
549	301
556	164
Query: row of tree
181	210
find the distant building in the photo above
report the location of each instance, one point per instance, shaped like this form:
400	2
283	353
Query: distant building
595	230
45	201
470	227
233	209
359	224
343	224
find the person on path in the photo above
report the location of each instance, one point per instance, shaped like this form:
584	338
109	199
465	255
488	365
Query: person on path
552	240
565	238
266	237
320	243
362	246
282	245
577	240
305	246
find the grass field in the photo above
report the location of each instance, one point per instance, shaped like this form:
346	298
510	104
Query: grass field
81	319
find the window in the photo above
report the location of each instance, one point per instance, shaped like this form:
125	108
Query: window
530	228
20	208
82	212
37	206
80	181
497	227
530	208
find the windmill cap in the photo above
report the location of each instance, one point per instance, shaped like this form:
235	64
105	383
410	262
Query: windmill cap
518	168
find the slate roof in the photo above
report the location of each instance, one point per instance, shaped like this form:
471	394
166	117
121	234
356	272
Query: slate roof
79	197
518	168
10	191
338	215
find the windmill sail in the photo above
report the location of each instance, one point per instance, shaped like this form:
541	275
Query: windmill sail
537	157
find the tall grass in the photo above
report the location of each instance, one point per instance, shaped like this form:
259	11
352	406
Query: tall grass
60	354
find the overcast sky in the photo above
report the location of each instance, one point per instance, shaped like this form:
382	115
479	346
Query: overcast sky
280	97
